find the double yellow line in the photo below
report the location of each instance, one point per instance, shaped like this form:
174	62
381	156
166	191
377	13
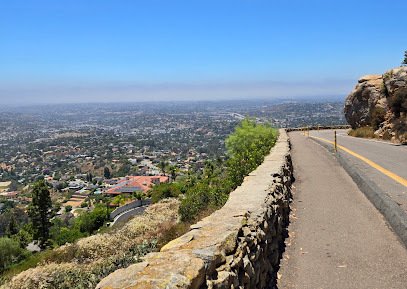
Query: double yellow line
388	173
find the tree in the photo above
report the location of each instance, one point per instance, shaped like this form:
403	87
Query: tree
163	166
106	173
23	237
89	177
405	58
10	252
40	212
173	171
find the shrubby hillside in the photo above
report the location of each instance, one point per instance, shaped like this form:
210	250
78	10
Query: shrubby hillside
84	263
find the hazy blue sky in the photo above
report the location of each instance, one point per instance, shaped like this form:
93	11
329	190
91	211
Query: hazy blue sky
82	50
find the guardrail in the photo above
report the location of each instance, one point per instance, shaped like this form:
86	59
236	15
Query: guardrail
129	206
317	127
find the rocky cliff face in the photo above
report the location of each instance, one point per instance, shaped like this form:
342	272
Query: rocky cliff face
380	101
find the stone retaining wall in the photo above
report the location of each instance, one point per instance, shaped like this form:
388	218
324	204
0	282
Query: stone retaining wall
238	246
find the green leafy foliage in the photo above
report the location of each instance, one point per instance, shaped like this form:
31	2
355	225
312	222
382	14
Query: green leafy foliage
65	235
24	236
165	190
10	252
89	222
246	146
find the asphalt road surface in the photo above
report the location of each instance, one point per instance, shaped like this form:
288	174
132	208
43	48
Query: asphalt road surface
390	157
337	239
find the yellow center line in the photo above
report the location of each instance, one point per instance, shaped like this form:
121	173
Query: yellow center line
388	173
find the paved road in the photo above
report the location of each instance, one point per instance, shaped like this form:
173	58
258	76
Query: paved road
337	238
388	156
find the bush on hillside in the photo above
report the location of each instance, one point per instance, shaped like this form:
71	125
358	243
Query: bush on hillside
84	263
10	252
164	191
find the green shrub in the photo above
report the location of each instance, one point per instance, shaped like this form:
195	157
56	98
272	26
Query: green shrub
89	222
247	146
165	190
68	235
23	237
10	252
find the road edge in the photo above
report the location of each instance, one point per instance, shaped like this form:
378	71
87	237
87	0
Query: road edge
393	214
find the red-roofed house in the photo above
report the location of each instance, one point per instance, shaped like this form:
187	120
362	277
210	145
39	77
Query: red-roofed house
133	184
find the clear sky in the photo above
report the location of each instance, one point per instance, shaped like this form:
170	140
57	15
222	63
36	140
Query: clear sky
119	50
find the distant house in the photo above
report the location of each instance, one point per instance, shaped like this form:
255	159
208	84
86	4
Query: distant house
76	185
10	195
133	184
4	186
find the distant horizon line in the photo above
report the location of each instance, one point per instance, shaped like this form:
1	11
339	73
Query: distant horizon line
282	98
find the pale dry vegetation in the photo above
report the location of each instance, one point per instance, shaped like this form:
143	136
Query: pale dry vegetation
363	132
84	263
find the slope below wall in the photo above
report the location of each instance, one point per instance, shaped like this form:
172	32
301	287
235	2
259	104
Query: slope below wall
238	246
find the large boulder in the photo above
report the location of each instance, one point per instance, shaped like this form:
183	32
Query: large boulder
367	96
395	79
380	101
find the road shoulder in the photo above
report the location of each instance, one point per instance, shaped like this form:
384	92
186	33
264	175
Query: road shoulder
395	216
337	239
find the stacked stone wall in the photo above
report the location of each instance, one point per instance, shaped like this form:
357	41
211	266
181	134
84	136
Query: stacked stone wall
238	246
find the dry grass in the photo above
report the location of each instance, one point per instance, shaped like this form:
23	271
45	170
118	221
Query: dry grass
363	132
84	263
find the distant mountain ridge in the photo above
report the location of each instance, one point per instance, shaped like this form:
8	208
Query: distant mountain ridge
380	101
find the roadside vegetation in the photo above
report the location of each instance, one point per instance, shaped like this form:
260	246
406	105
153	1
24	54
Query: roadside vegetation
207	191
363	132
85	262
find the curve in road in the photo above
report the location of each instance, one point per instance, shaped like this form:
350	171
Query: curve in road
374	165
337	239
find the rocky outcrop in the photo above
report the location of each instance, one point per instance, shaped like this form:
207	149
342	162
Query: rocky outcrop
380	101
363	100
238	246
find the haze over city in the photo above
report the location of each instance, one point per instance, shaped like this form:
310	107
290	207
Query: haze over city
104	51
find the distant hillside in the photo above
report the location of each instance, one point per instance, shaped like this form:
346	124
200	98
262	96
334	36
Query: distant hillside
379	103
